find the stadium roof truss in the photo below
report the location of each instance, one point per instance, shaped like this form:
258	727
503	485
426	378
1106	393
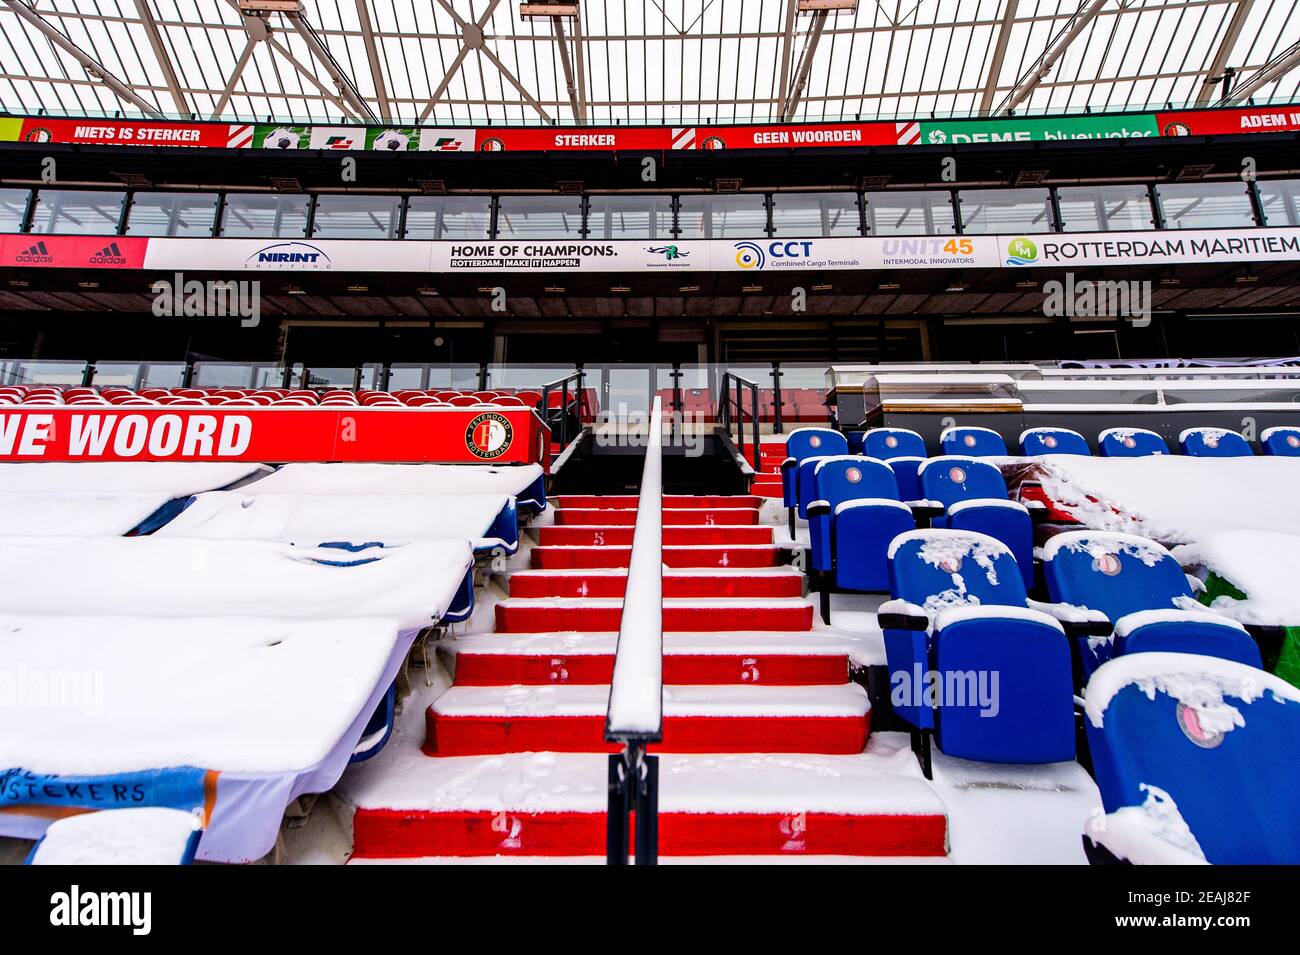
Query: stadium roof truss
473	62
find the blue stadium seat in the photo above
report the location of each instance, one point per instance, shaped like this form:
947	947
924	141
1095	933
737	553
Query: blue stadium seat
806	443
851	524
907	473
1145	595
1195	759
960	610
886	443
1130	443
977	442
1214	443
1053	441
1281	442
974	496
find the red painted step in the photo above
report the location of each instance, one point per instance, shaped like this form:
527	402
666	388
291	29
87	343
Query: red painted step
679	615
734	555
602	536
784	583
409	834
625	501
767	669
671	516
469	721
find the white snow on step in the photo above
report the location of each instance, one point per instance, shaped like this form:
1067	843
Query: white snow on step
883	780
396	479
141	836
669	572
76	513
170	478
233	694
691	603
675	644
845	700
414	583
315	518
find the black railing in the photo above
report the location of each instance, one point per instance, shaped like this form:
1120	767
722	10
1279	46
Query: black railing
731	409
566	419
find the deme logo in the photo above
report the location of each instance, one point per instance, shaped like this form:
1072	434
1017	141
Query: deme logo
669	252
750	255
288	255
1021	251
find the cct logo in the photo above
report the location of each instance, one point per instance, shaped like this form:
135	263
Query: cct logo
751	255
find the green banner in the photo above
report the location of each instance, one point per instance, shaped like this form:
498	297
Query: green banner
1010	129
10	129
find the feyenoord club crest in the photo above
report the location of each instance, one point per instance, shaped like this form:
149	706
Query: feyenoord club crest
489	435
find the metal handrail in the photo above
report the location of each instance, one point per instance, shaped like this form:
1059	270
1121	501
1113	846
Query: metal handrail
725	401
562	385
635	713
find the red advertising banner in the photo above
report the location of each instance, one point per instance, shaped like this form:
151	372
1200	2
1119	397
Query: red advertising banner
73	251
553	138
128	132
697	137
1214	122
273	435
802	136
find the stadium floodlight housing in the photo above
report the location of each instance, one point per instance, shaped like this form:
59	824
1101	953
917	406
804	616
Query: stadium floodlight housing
828	6
254	8
529	10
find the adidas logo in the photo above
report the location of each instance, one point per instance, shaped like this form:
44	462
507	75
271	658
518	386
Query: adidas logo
110	254
37	254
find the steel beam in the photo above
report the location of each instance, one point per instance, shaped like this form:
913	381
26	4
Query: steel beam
999	55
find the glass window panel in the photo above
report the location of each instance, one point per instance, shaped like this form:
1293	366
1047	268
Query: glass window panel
630	217
13	206
722	217
235	374
1104	208
910	213
1205	205
356	217
1000	211
139	374
42	372
1281	201
812	214
74	212
539	217
448	217
187	214
265	216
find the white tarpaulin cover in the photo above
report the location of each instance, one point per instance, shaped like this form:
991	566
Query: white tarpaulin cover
170	478
76	513
398	479
311	519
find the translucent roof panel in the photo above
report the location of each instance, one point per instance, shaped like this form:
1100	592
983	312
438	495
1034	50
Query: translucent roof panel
470	62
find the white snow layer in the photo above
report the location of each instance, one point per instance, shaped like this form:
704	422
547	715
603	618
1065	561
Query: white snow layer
414	583
1198	682
170	478
1264	565
396	479
144	836
76	513
1154	833
312	519
1177	499
1130	622
101	694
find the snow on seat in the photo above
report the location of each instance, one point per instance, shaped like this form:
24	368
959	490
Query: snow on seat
234	716
1195	758
959	614
1036	441
170	577
82	513
145	836
526	483
1143	593
1214	443
1130	443
1283	442
487	521
974	494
